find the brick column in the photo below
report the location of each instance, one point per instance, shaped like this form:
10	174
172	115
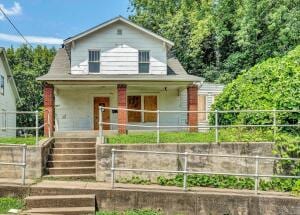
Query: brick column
48	109
192	97
122	114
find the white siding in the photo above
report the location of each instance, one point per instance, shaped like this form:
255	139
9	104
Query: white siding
119	53
7	103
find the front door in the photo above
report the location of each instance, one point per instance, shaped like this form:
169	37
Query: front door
104	102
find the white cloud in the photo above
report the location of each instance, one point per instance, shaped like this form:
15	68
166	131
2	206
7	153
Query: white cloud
16	9
31	39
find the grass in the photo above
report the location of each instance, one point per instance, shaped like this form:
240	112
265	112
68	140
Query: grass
18	140
131	212
7	203
225	135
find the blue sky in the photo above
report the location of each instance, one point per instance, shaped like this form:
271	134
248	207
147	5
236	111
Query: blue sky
48	21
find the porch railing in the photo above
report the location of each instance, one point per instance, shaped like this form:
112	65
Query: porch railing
216	114
256	159
21	164
5	115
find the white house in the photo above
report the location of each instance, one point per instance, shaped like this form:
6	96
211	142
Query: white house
122	65
8	98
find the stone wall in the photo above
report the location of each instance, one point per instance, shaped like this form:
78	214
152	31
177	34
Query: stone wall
176	162
35	159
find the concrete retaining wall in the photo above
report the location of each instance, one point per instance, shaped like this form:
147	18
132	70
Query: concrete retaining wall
36	160
175	162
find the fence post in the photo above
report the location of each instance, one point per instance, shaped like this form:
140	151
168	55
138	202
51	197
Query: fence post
185	171
274	125
216	127
157	127
256	175
5	120
48	124
101	125
36	127
24	163
113	168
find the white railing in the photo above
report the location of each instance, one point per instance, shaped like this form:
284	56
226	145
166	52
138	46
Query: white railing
256	175
217	126
21	164
36	128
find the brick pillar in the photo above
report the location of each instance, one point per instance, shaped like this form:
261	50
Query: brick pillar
192	97
48	109
122	114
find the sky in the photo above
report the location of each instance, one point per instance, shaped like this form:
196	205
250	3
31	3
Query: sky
48	22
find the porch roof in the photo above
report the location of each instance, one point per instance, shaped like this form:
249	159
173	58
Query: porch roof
60	70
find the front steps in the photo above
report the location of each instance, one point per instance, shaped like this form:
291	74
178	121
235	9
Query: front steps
72	158
60	204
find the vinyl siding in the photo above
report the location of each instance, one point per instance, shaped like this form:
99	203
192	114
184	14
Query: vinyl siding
118	53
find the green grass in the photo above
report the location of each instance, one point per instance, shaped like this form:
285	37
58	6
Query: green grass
131	212
7	203
225	135
18	140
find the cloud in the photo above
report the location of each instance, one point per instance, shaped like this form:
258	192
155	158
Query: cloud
31	39
16	9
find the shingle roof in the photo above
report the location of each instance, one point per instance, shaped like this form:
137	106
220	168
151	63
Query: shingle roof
60	71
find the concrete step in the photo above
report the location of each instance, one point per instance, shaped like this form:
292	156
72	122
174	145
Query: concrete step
72	177
62	211
58	201
75	163
74	145
75	139
66	157
71	170
73	150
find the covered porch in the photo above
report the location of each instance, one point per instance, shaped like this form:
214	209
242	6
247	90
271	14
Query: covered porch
75	106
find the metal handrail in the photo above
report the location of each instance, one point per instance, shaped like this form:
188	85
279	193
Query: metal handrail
186	172
24	158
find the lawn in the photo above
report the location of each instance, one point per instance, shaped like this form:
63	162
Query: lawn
18	140
7	203
225	135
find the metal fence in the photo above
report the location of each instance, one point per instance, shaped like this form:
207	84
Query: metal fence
5	125
22	164
271	119
256	175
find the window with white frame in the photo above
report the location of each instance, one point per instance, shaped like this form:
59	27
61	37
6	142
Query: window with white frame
1	85
144	61
94	61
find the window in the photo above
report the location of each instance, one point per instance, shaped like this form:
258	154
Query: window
144	61
94	61
135	102
1	85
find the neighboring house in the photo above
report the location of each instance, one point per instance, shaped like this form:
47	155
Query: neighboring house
122	65
206	97
8	98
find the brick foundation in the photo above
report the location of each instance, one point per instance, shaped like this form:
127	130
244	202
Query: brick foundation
192	96
122	116
48	109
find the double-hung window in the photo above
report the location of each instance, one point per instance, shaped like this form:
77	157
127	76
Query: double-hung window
1	85
144	61
94	61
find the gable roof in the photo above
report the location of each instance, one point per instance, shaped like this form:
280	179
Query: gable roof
60	70
9	73
114	20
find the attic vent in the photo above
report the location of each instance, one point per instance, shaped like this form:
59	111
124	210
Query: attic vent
119	32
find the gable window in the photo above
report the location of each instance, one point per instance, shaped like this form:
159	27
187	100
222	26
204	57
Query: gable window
144	61
1	85
94	61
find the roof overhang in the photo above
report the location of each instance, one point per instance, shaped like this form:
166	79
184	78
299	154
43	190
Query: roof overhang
114	20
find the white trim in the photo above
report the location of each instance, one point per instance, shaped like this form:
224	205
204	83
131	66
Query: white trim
120	18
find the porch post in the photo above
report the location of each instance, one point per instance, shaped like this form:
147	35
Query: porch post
192	97
122	116
48	109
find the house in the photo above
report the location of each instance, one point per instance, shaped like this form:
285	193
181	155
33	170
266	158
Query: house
8	98
122	65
